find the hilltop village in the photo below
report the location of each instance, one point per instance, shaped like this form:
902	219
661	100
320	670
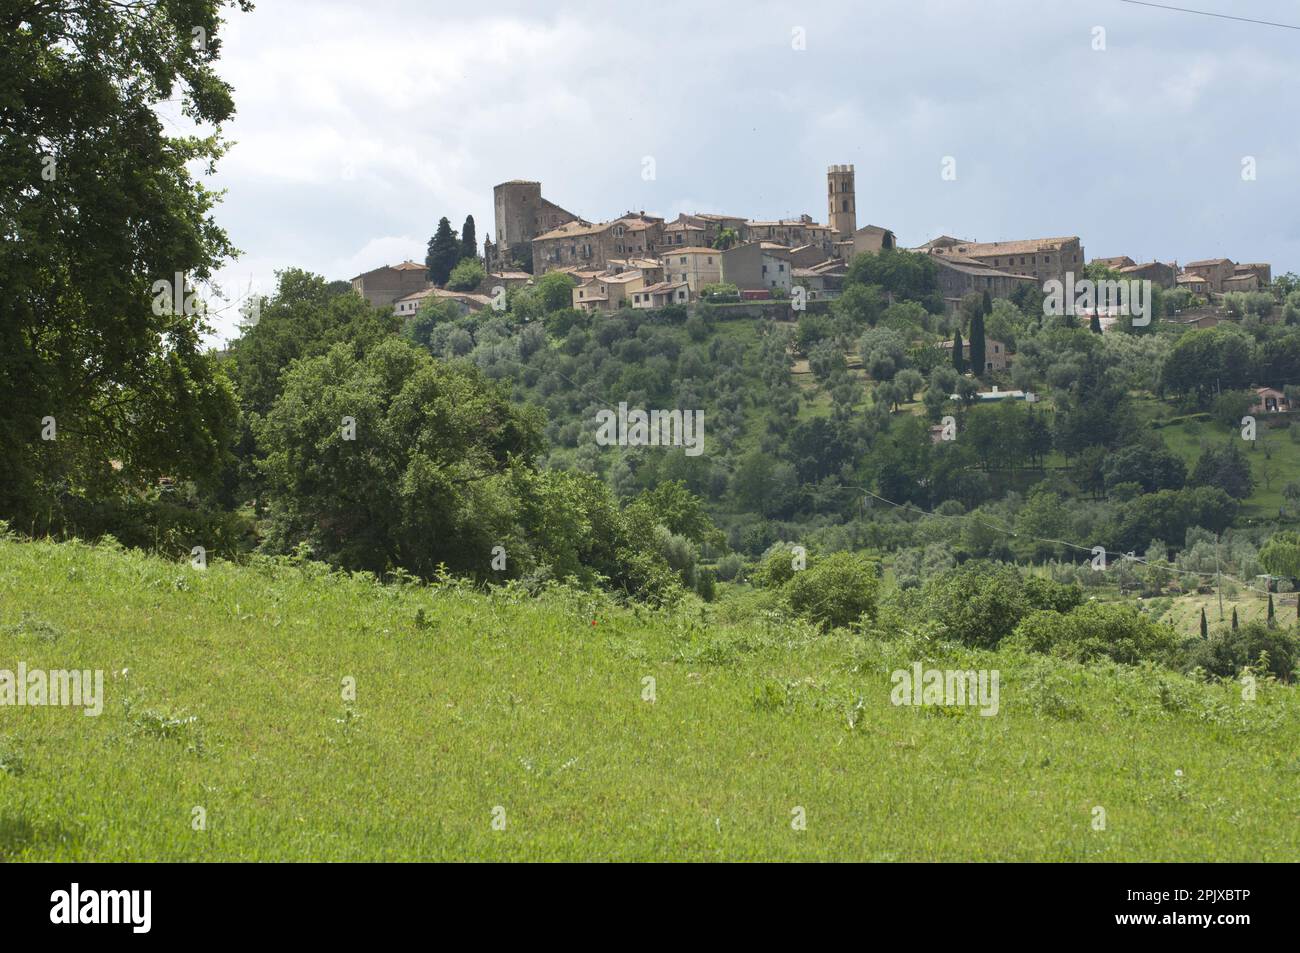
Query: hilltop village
642	261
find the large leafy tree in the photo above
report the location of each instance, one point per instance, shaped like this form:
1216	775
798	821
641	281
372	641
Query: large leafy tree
421	473
1206	362
97	204
903	274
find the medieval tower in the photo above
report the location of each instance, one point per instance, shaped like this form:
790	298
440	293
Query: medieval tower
841	205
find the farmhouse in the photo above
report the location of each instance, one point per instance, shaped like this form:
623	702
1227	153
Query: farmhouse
996	355
384	285
1270	400
467	302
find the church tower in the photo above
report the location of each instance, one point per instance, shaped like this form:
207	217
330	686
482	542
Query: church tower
842	207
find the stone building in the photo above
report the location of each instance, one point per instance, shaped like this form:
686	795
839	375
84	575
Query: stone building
1156	272
700	230
959	277
996	355
1241	281
791	232
757	266
594	245
1213	270
521	215
1042	259
382	286
697	267
1260	269
867	239
608	292
661	295
466	301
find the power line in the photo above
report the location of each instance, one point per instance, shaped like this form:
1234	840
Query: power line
1207	13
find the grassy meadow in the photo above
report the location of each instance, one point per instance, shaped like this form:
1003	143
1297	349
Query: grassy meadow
224	690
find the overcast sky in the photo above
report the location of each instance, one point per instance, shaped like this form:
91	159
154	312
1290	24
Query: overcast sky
360	124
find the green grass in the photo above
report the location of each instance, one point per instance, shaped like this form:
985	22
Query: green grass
1274	458
223	691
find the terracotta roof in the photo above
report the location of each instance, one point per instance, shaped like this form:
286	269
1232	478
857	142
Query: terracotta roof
1021	247
944	240
981	270
1144	264
690	250
478	299
1208	261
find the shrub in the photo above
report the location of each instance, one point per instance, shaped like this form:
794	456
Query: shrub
730	566
837	591
978	604
1116	631
776	567
467	275
1044	593
1227	652
706	584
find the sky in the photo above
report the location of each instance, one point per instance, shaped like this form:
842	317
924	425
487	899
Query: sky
1138	129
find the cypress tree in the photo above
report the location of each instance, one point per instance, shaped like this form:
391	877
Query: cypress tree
1234	618
444	252
468	241
986	305
1094	324
1205	625
1272	619
958	362
977	344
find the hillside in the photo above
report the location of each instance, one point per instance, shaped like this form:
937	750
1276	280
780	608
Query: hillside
223	690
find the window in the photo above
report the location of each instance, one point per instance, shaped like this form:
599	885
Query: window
845	204
709	259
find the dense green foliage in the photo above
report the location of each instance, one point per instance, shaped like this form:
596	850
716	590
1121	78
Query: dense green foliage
105	383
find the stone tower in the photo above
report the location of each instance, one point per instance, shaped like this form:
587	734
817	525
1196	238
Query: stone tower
841	204
521	215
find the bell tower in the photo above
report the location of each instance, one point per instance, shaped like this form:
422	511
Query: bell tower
841	204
